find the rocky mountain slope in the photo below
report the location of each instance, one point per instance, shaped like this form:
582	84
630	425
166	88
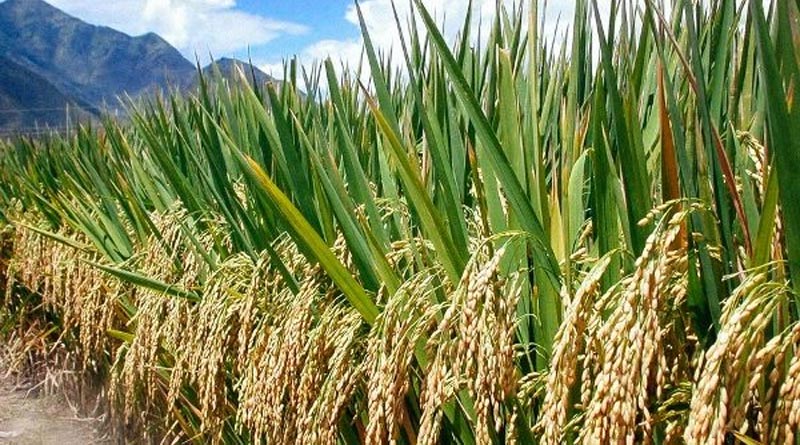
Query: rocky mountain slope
50	60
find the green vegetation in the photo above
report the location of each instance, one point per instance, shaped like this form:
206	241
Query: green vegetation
511	241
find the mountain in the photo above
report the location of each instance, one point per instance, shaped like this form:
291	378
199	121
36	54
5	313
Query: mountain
49	59
227	67
94	61
27	100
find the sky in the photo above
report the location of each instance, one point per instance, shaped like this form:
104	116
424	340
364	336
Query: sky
270	31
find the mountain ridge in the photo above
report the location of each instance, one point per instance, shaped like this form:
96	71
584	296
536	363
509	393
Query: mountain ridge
88	66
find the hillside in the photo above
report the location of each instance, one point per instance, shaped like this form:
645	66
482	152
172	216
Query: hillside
49	59
28	100
92	62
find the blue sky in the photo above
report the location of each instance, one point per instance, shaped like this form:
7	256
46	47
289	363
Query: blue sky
273	30
325	20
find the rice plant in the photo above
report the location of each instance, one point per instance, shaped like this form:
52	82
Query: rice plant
506	238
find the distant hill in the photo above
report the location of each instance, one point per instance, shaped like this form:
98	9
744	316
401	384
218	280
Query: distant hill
28	100
227	67
50	59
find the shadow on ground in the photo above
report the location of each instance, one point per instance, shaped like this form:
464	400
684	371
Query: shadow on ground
27	418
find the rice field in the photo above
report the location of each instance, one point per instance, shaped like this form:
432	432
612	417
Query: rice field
506	238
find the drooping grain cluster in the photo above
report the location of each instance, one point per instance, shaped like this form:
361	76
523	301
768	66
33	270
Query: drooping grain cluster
83	296
394	343
615	355
746	384
474	352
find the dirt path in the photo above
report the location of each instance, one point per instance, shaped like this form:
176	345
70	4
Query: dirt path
27	419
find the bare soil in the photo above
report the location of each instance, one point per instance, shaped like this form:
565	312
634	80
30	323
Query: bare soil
27	418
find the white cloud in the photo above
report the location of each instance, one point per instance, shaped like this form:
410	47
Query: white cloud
380	21
382	28
348	52
193	26
273	69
